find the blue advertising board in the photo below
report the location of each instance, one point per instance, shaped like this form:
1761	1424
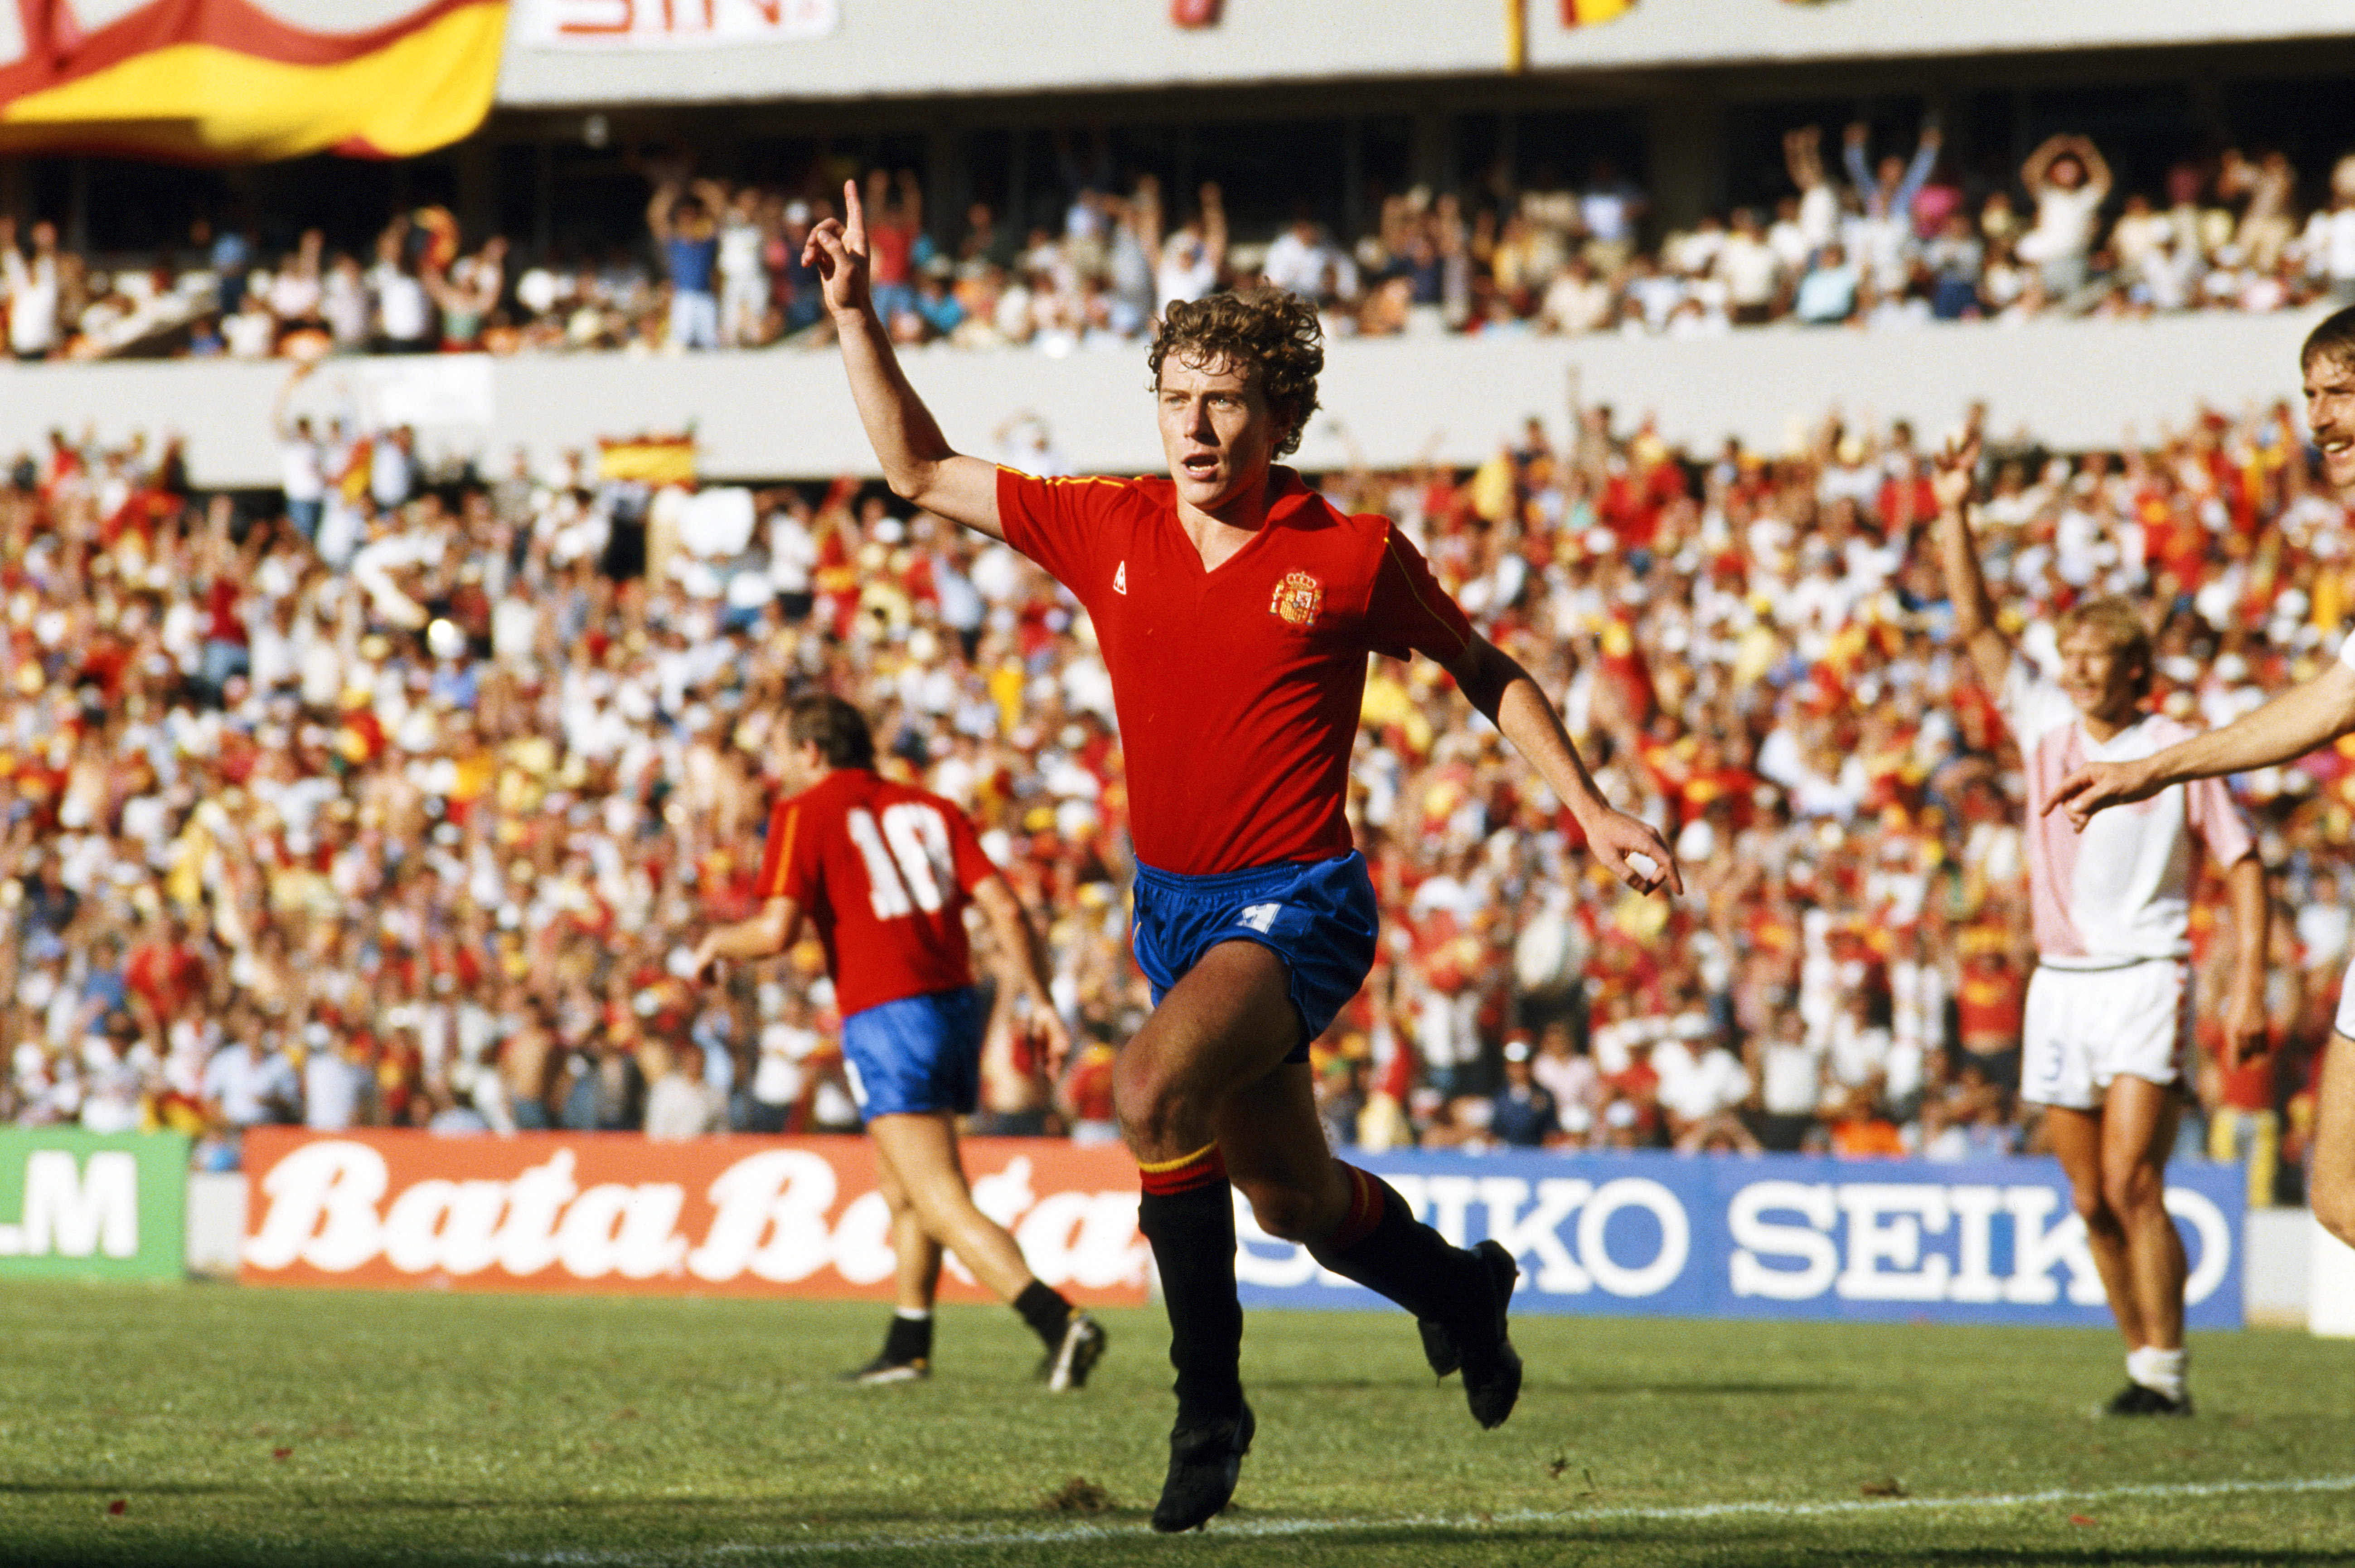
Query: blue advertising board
1776	1236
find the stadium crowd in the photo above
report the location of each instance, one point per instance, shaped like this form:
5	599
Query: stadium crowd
403	802
1883	245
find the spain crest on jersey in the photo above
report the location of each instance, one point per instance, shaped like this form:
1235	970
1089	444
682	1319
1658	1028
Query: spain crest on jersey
1298	599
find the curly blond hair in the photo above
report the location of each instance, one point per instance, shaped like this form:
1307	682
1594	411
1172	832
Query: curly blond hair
1270	334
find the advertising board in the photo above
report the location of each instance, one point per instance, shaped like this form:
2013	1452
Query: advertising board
736	1216
1635	1234
1778	1236
92	1206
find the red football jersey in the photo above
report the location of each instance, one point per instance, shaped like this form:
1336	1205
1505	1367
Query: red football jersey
1239	689
883	871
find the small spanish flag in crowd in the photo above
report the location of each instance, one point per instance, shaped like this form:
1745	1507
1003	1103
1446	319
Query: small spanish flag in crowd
1586	13
221	81
648	459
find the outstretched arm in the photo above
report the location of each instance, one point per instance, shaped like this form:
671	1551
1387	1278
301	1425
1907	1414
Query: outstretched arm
1146	217
1958	554
280	425
1852	158
1011	926
658	206
1917	173
918	462
766	933
2031	173
2245	1036
1214	224
2287	728
2097	168
1505	693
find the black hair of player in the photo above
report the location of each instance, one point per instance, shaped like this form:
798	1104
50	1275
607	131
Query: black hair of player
836	729
1272	335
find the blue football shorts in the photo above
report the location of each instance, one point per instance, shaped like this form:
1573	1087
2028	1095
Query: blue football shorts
919	1055
1318	917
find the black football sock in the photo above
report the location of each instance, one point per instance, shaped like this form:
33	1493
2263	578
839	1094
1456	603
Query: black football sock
909	1339
1189	1217
1047	1311
1381	1245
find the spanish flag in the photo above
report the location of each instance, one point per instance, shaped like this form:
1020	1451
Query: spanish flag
648	459
1586	13
221	81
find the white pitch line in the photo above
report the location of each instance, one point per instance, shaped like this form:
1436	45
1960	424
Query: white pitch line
1466	1522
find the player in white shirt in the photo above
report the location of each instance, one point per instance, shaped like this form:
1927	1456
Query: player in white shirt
2108	1025
2291	725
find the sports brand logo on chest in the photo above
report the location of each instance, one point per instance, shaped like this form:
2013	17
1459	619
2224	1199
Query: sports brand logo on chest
1299	599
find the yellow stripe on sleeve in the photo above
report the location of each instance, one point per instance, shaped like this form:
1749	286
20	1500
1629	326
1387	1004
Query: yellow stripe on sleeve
1389	544
1183	1160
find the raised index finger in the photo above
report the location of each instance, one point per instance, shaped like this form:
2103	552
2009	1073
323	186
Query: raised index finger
2066	792
854	218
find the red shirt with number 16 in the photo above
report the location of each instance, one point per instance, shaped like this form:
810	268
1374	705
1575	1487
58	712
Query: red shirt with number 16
1239	689
883	871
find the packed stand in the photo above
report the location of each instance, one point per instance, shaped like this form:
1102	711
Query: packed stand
1879	245
406	806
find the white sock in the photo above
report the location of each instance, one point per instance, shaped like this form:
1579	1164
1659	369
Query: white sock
919	1314
2157	1369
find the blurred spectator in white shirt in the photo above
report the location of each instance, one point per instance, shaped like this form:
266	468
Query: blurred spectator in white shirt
33	296
681	1103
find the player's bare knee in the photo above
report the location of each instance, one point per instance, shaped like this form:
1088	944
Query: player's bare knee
1155	1111
2135	1194
2092	1207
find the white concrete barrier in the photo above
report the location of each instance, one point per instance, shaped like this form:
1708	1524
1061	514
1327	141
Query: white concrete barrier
215	1223
2274	1266
2330	1294
785	413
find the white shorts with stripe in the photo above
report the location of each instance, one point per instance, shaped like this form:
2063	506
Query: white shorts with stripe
2086	1028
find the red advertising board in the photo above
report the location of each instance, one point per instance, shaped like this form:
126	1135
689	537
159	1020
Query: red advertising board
735	1216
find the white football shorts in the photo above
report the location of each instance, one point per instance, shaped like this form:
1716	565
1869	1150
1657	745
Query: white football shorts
2084	1027
2345	1022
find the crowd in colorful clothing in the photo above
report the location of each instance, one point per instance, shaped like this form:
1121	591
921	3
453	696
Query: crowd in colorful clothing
420	830
1883	245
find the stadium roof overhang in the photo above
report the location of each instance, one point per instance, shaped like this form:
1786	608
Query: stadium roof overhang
952	50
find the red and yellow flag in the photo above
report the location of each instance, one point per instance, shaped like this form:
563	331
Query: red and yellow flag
648	459
218	82
1586	13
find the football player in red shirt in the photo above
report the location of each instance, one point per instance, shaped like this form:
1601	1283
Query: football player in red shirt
1235	609
883	873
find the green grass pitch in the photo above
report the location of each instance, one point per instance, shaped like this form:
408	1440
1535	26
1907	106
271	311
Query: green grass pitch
212	1426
